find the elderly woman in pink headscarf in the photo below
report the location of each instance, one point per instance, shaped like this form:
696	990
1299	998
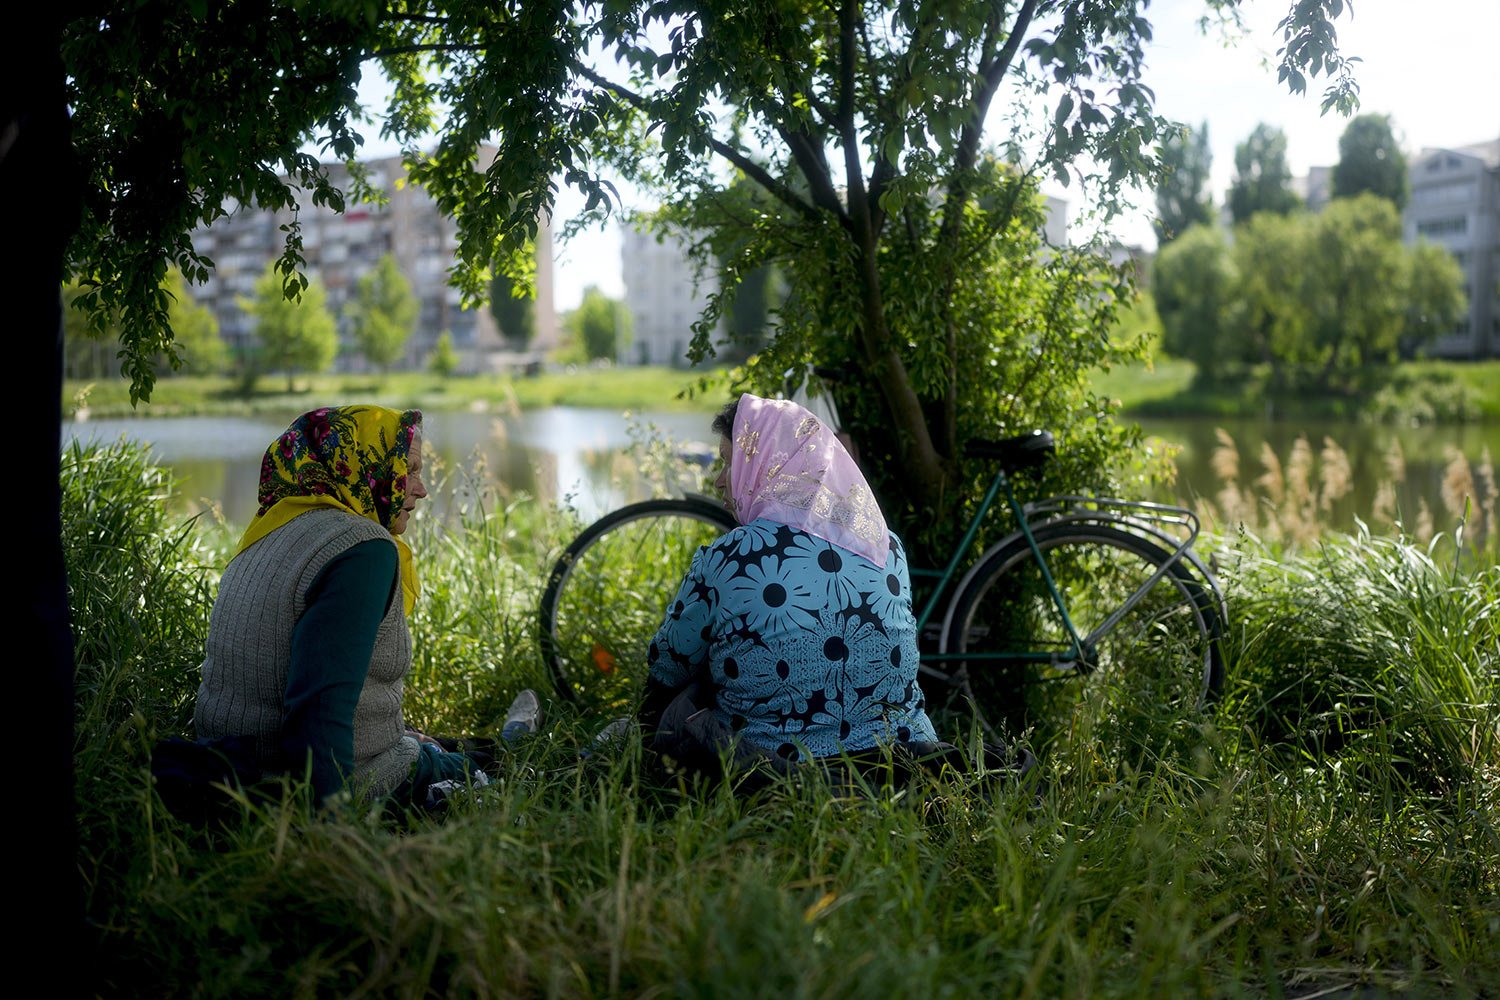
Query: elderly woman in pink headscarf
792	637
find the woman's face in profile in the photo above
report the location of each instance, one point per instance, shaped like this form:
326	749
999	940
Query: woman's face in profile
721	484
415	489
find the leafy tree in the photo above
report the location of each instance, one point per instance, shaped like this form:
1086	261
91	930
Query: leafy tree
180	111
1267	314
1193	282
1435	299
1371	160
444	360
513	305
1357	272
91	353
383	313
195	328
1261	176
600	325
1182	198
87	353
292	322
1315	297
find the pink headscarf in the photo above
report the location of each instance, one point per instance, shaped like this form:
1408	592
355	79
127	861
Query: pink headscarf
786	465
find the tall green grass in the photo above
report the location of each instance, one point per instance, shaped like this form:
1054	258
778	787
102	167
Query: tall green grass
1334	828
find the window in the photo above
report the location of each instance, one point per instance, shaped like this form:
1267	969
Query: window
1453	193
1452	226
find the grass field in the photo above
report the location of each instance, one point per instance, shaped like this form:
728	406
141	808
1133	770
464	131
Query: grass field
1332	829
1419	391
634	388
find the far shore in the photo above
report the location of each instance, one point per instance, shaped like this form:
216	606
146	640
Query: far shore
1417	392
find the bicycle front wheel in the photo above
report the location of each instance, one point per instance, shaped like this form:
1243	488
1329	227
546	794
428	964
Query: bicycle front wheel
608	593
1139	684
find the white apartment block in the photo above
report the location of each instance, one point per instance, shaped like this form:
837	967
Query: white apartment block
663	298
1455	204
664	301
341	247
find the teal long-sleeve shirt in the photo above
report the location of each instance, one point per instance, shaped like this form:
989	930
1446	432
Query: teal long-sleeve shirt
331	648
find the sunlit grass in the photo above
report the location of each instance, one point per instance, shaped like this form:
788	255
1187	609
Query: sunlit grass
618	388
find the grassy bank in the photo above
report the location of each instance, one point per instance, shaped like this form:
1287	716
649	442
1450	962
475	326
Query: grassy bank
634	388
1420	392
1333	826
1414	392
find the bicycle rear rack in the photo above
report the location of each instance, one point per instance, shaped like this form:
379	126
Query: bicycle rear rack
1176	528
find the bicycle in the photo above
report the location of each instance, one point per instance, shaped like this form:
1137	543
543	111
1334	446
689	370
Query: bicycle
1094	610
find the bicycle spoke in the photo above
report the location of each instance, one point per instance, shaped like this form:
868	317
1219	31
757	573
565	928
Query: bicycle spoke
1145	675
613	598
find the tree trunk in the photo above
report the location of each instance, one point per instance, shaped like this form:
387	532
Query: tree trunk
40	201
926	473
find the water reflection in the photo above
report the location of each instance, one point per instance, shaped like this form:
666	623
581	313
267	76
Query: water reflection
1424	455
559	455
579	456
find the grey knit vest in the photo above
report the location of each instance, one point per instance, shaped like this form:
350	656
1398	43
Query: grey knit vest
261	596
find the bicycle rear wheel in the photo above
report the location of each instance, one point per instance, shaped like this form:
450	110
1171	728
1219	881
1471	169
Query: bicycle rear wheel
1141	685
608	593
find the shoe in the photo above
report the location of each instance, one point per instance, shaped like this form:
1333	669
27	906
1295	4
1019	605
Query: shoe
610	737
524	717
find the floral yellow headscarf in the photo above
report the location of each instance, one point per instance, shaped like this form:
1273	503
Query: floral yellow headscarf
351	458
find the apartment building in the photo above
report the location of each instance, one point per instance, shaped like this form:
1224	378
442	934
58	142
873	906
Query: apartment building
664	297
1455	204
341	247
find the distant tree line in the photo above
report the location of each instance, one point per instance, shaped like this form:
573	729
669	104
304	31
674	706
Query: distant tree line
1315	297
295	331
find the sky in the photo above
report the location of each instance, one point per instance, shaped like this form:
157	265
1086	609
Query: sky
1431	65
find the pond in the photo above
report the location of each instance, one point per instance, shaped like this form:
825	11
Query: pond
577	457
583	458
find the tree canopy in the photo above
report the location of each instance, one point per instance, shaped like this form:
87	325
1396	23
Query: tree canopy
514	308
865	125
296	334
1262	179
1371	160
600	326
1315	297
1182	196
383	313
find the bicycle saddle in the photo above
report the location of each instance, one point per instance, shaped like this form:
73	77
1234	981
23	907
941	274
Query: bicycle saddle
1024	451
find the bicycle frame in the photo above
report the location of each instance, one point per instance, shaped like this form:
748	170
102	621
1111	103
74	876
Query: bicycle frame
1162	522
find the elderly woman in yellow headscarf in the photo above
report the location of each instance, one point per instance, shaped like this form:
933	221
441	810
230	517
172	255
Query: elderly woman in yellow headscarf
308	645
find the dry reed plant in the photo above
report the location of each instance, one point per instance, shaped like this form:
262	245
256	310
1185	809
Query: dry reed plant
1491	494
1299	514
1383	511
1282	502
1334	474
1424	530
1237	505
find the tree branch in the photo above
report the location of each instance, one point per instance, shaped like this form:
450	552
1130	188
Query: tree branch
751	169
884	170
416	18
397	50
861	212
990	76
814	166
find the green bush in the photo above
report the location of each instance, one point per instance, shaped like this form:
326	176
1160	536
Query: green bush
1370	646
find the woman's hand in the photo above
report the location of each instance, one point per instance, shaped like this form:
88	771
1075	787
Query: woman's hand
420	736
